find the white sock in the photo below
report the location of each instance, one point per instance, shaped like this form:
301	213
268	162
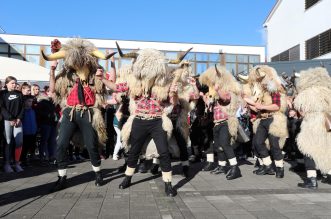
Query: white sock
233	161
62	172
279	163
156	161
266	161
260	161
311	173
210	157
185	163
222	163
96	169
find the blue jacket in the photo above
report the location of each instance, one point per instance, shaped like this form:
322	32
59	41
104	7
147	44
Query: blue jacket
29	122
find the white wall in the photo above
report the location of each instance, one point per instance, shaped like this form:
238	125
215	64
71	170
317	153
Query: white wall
209	48
291	24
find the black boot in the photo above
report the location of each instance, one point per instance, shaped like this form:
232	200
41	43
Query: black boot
258	170
98	179
126	182
142	167
309	183
169	190
60	184
155	169
186	171
208	167
279	172
266	170
233	173
220	170
327	179
196	156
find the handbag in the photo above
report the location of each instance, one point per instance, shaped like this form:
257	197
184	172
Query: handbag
327	117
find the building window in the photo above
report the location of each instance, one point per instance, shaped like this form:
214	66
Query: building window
309	3
291	54
3	48
318	45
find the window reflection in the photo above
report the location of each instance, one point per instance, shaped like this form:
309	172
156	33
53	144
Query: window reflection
33	58
16	48
201	67
254	59
17	57
32	49
231	67
202	57
242	58
214	57
230	58
4	47
243	68
125	62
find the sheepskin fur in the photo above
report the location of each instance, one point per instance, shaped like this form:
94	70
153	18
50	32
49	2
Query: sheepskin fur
78	56
313	100
229	84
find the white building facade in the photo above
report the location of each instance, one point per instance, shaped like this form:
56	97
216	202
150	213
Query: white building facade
235	58
299	30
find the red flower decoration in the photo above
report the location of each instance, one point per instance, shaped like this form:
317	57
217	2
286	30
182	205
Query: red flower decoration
55	45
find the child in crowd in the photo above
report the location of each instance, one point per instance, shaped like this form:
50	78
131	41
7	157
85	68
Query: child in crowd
29	123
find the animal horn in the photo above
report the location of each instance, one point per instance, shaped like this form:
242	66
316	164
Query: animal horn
217	71
58	55
178	60
127	55
259	73
243	77
100	55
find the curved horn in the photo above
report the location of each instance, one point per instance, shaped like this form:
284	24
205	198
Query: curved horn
100	55
259	74
217	71
58	55
178	60
243	77
128	55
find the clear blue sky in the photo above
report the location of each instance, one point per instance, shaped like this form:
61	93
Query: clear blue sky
233	22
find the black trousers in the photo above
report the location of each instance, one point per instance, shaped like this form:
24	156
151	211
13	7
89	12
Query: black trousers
222	142
309	163
110	144
66	131
29	142
262	133
181	142
141	129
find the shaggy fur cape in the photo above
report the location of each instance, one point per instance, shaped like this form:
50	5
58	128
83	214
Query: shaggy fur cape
78	55
272	83
229	84
313	100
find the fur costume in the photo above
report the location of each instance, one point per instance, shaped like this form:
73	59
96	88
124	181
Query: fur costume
265	76
313	100
79	55
229	84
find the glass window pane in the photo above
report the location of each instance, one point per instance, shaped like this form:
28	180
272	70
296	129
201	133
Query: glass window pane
33	58
242	68
16	48
202	56
59	65
190	56
47	50
103	63
242	58
125	62
201	67
231	67
230	58
17	57
171	55
254	58
214	57
32	49
4	55
4	47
